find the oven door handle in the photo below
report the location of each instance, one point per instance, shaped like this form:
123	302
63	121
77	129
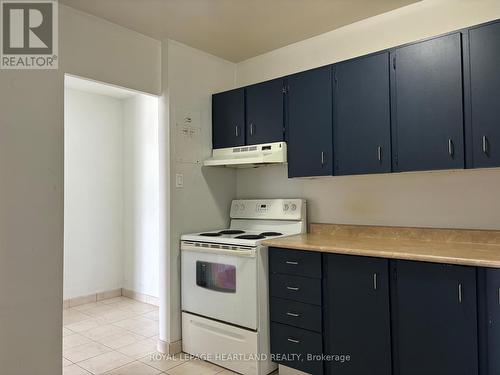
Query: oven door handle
247	253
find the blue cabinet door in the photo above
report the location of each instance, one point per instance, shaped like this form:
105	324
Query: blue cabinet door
434	319
310	142
357	315
264	112
485	95
427	98
489	320
228	119
362	118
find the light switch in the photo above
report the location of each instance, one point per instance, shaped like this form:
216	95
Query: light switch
179	180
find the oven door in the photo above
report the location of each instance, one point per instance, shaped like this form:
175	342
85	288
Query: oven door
220	282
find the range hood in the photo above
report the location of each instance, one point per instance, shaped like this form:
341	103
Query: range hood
248	156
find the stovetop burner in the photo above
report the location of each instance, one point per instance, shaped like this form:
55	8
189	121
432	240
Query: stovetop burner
232	231
250	237
270	234
211	234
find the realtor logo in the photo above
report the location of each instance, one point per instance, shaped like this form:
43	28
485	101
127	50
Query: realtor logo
29	34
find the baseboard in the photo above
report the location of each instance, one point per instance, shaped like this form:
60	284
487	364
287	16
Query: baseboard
141	297
82	300
170	348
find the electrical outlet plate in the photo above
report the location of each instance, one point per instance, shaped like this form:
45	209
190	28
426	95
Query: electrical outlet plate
187	145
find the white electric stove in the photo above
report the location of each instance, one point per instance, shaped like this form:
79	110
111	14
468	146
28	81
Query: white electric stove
225	312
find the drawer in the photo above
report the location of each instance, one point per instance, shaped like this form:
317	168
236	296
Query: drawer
296	288
295	262
286	340
296	314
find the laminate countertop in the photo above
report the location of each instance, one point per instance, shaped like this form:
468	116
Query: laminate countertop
479	248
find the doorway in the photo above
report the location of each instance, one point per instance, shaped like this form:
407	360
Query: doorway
111	226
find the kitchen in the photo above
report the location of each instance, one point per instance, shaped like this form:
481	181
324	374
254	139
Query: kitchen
424	180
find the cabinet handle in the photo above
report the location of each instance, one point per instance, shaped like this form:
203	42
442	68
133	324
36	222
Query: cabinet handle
460	293
379	153
322	158
251	128
485	145
236	131
375	281
294	288
451	149
499	296
292	263
293	340
295	315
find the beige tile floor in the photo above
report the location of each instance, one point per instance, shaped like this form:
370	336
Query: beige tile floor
118	337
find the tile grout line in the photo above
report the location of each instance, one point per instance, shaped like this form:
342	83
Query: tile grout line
112	350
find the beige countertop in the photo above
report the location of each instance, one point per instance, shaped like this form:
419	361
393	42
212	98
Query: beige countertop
452	246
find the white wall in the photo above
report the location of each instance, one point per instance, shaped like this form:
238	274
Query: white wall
141	195
462	199
189	78
31	175
111	194
93	200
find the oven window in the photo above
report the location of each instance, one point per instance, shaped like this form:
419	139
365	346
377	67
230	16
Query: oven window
216	276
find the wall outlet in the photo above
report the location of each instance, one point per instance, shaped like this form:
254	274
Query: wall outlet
179	180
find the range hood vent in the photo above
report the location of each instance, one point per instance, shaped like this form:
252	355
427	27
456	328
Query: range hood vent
248	156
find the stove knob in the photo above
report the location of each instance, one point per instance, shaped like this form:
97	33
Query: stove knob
242	207
236	207
286	207
294	207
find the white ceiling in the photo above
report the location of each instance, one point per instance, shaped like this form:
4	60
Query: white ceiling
235	29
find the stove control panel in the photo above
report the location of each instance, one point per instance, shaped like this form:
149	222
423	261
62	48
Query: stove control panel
270	209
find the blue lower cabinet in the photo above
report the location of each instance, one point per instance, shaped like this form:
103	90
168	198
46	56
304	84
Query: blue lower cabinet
296	288
435	319
374	316
295	262
297	314
489	321
297	348
357	315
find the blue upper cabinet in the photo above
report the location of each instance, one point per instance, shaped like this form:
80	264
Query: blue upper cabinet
484	138
427	102
362	118
264	112
310	142
228	119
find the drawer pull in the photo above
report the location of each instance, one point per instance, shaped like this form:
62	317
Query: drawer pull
293	288
293	340
292	263
295	315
